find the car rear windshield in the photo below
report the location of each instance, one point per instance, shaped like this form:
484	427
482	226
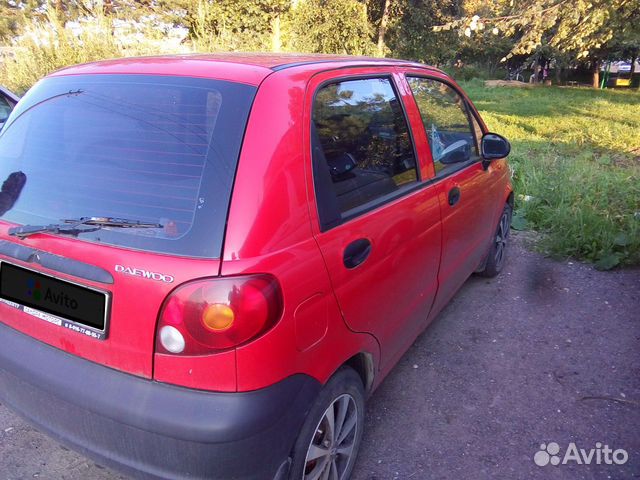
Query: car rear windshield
155	149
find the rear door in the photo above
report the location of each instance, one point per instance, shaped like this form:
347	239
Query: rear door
469	193
376	222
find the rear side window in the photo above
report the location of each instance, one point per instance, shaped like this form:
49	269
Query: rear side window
156	149
362	147
446	121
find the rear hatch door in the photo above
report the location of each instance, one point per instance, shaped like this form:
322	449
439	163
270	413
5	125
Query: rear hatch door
160	150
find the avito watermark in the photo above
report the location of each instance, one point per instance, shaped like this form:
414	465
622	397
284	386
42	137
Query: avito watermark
549	454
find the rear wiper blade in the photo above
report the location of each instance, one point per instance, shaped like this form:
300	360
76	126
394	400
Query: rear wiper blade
111	222
76	226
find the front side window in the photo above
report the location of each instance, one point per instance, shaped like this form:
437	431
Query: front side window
446	121
362	142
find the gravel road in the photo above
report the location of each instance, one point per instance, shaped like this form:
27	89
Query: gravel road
547	352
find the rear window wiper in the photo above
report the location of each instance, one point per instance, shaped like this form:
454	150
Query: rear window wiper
76	226
111	222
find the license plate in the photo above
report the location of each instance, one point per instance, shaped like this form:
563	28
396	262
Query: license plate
56	301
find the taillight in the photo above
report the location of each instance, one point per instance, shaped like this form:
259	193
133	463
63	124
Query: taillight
205	316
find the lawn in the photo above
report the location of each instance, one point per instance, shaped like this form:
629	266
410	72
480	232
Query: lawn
576	167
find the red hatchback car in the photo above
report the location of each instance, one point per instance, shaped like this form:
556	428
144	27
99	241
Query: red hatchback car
208	262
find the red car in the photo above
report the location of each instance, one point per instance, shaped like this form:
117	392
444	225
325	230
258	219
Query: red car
207	263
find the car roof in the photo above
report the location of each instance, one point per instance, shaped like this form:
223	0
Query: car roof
249	68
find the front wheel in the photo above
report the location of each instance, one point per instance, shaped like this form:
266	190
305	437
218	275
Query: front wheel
328	443
498	249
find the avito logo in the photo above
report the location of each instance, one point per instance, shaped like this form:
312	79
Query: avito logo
34	289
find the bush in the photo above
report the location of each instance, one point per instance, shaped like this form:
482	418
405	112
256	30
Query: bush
227	25
468	72
48	46
329	26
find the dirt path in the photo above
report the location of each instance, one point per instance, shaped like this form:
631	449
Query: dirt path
547	352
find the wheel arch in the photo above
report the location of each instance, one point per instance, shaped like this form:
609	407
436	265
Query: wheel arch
364	365
510	198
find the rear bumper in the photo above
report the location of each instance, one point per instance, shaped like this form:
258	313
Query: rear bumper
148	429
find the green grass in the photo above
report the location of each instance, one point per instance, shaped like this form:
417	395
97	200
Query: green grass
576	167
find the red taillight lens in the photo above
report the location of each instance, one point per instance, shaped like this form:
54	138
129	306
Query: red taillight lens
205	316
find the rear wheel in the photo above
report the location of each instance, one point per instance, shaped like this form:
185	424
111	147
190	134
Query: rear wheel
328	443
498	249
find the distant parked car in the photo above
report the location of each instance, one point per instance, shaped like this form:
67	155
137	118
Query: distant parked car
8	101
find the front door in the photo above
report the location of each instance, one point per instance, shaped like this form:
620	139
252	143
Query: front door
378	224
469	192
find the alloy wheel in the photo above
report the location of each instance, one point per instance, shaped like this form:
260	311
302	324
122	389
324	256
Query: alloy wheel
331	450
501	238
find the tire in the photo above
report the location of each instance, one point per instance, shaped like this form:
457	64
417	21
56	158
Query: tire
498	249
341	404
519	78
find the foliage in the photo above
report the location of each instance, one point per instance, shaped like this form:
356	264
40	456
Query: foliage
232	25
470	33
576	163
14	14
410	31
329	26
584	29
47	45
469	72
484	50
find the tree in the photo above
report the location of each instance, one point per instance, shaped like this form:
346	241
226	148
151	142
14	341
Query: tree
382	28
329	26
409	32
587	30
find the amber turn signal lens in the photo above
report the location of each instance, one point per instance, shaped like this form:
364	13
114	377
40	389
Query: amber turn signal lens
217	317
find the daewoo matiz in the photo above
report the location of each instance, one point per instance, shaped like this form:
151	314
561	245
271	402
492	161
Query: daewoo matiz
208	262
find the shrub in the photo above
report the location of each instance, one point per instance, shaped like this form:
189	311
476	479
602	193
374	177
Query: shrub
48	45
468	72
329	26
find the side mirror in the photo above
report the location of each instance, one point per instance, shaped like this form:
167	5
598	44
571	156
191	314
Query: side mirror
341	165
494	146
457	152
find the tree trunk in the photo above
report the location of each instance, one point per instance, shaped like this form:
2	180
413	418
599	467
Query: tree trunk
383	27
107	7
276	39
595	70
